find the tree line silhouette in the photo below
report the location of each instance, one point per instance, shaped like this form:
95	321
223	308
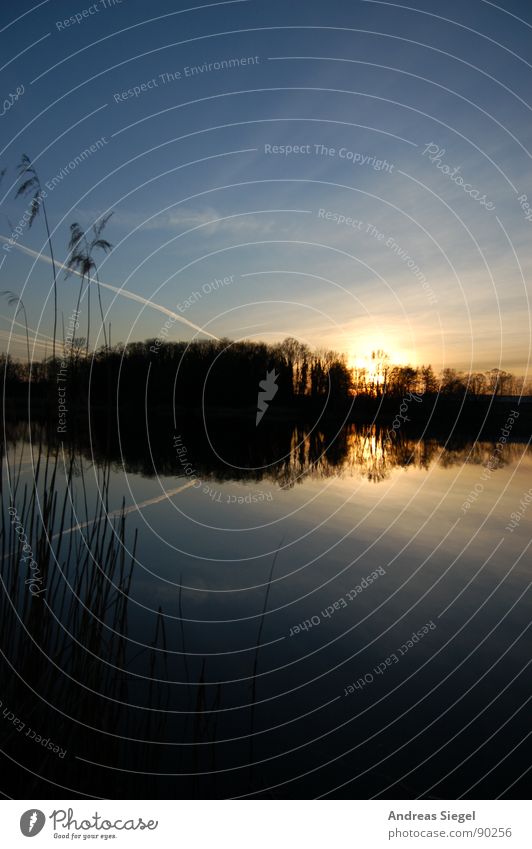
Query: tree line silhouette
226	375
212	374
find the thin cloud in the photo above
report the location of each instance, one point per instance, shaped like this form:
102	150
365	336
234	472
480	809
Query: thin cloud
209	218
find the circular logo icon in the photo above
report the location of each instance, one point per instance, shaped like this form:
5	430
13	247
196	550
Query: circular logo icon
32	822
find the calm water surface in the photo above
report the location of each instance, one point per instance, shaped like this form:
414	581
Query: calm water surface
269	592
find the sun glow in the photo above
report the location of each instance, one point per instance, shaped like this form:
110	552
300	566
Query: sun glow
374	353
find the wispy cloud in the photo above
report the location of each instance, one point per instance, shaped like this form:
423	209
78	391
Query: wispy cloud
209	219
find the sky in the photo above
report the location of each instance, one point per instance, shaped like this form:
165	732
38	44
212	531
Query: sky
353	174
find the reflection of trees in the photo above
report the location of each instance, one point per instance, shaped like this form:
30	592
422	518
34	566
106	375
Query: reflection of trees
110	665
279	452
482	454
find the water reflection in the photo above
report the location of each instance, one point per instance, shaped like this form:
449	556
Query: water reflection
161	650
281	454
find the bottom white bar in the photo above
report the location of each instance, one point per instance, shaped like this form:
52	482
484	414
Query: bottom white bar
266	824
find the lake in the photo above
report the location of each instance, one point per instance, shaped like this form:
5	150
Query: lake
232	611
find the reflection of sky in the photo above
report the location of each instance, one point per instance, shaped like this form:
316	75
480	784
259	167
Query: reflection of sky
332	529
192	151
464	573
339	531
377	521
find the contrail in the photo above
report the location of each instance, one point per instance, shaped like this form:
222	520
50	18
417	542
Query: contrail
124	292
19	339
35	336
131	509
36	333
118	513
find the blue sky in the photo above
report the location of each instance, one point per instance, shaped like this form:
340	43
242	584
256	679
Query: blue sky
427	271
